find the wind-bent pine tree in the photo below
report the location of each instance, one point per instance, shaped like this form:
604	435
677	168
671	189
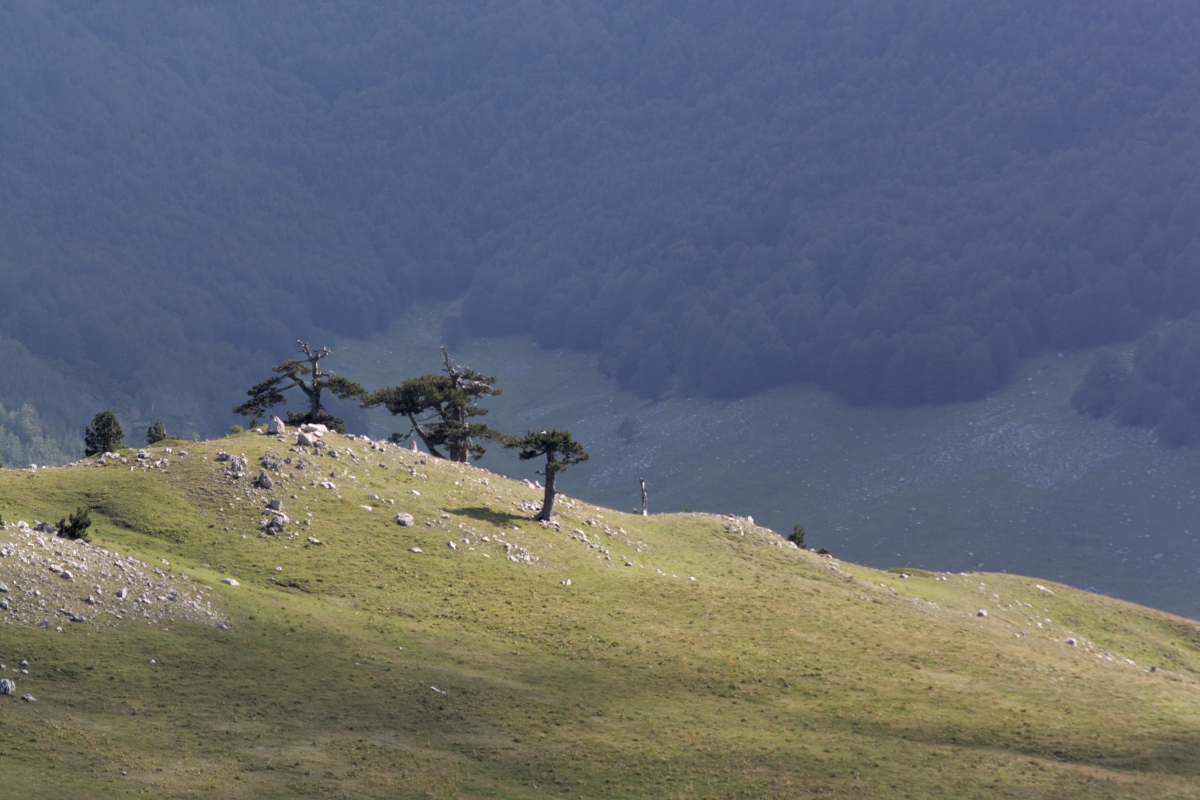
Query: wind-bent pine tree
104	435
440	409
312	381
560	450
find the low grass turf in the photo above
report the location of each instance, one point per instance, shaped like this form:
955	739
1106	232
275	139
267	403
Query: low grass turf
775	673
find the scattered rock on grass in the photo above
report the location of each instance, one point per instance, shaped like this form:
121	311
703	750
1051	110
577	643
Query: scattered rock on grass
7	686
52	578
404	520
230	581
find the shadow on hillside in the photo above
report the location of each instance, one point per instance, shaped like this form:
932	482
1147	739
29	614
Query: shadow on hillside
501	519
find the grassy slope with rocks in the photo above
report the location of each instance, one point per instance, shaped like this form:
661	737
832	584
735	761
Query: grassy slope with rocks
775	673
1017	483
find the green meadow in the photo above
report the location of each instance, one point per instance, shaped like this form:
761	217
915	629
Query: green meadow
690	655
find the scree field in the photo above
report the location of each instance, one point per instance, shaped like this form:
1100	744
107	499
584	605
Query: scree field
671	656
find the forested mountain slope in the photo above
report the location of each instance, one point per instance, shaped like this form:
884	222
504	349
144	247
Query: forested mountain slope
894	200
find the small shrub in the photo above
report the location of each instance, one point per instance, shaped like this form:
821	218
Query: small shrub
235	429
76	526
797	536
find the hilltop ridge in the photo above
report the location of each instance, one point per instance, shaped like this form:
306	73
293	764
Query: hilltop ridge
475	653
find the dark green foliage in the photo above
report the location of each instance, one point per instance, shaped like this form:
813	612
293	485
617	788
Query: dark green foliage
1140	403
312	381
1097	393
797	536
824	552
26	437
560	450
629	428
1161	392
757	190
156	432
76	526
440	409
104	435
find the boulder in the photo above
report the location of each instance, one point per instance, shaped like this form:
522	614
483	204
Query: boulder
405	520
7	686
314	429
264	481
305	439
230	581
276	426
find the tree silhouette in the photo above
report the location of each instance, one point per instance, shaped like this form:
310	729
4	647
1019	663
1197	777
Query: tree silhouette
156	432
104	434
307	376
440	409
560	450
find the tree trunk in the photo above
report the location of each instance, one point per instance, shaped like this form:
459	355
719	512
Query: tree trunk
314	402
417	427
642	481
548	500
460	453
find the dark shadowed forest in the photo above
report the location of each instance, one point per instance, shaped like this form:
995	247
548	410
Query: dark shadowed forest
892	200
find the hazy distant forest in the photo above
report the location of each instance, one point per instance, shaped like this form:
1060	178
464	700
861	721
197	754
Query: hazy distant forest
894	200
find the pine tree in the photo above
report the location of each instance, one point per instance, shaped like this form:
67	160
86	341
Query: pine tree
104	435
440	409
560	450
156	432
311	380
797	536
77	526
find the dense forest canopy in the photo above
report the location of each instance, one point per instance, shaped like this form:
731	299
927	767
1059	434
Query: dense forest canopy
892	199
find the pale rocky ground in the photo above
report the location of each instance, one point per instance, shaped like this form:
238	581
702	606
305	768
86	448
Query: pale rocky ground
50	581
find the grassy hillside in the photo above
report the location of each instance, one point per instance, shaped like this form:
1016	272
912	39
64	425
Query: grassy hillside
1018	482
689	656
